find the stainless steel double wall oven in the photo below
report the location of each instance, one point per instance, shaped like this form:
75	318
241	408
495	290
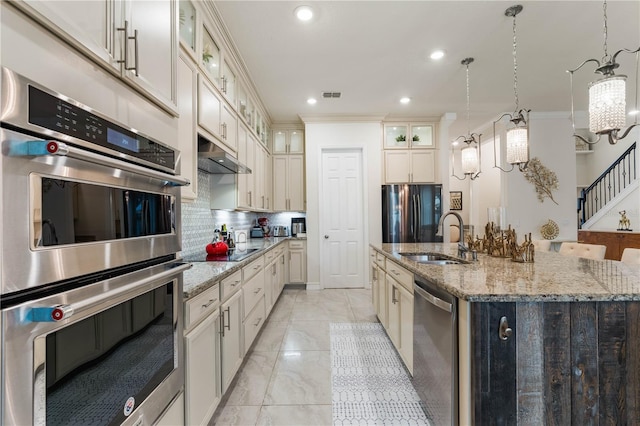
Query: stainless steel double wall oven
91	284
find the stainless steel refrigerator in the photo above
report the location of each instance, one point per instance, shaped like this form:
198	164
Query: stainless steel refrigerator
410	213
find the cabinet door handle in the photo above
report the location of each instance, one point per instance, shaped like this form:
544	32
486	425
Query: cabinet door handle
222	324
249	197
211	302
505	331
228	320
393	295
135	53
258	322
124	61
235	283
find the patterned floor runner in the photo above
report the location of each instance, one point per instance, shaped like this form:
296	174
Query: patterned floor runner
370	385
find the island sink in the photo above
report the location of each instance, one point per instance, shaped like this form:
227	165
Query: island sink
432	258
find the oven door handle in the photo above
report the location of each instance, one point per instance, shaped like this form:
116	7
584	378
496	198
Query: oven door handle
41	147
113	297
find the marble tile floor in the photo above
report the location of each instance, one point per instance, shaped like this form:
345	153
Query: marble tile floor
286	375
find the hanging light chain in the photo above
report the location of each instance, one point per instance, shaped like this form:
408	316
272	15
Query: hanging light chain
605	58
468	101
515	65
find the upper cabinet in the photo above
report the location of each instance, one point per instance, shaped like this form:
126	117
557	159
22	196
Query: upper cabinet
409	135
187	138
287	142
409	153
135	40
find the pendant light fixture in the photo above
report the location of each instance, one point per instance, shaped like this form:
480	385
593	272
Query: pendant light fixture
518	132
607	103
470	154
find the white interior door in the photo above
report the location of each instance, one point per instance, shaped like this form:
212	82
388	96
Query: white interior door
342	219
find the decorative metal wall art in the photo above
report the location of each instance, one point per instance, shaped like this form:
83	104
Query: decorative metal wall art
544	180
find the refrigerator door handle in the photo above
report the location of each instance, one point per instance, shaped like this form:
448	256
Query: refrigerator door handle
418	216
415	218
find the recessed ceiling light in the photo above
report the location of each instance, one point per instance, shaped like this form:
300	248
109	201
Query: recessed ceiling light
405	100
311	101
303	13
437	54
634	112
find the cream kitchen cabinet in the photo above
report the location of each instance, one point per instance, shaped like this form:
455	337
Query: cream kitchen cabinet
262	173
215	116
232	345
217	65
287	141
408	135
202	376
274	276
187	136
297	261
409	166
134	40
288	183
202	356
245	181
394	288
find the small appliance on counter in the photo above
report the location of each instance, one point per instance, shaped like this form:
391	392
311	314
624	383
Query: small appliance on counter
298	226
280	231
264	224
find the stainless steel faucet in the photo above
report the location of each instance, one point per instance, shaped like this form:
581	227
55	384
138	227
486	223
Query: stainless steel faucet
462	249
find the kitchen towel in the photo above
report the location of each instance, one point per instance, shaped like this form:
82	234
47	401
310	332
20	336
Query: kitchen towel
370	385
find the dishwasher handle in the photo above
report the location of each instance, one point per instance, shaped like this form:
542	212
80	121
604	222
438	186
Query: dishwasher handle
435	301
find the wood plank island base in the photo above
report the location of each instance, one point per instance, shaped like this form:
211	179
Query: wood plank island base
572	355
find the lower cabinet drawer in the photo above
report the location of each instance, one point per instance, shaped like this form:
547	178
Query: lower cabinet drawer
230	285
252	291
201	305
404	277
253	323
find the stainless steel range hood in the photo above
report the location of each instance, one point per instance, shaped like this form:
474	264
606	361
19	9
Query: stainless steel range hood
215	160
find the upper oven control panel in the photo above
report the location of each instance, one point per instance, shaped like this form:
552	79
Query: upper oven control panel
53	113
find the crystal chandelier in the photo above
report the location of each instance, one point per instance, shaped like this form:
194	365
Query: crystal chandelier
518	132
607	103
470	154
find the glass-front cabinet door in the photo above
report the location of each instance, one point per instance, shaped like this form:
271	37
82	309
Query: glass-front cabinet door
242	102
422	136
279	142
296	142
395	136
210	56
187	18
229	82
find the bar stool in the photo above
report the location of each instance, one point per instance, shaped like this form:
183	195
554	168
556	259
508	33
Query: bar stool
631	256
588	251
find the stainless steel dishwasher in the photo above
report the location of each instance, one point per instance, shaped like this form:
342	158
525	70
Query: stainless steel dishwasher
435	352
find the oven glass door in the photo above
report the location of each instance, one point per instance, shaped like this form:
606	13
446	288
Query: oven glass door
100	368
104	353
78	212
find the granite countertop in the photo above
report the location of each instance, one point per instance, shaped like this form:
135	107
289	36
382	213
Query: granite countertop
552	277
204	275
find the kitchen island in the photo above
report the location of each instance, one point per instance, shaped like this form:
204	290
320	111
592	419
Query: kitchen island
572	355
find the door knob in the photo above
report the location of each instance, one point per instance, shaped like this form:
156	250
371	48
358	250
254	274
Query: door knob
326	237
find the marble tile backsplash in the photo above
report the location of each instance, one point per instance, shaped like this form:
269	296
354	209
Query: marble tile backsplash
199	221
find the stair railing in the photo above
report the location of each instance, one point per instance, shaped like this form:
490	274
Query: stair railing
610	183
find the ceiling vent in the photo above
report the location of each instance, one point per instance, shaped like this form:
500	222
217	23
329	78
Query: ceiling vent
331	94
